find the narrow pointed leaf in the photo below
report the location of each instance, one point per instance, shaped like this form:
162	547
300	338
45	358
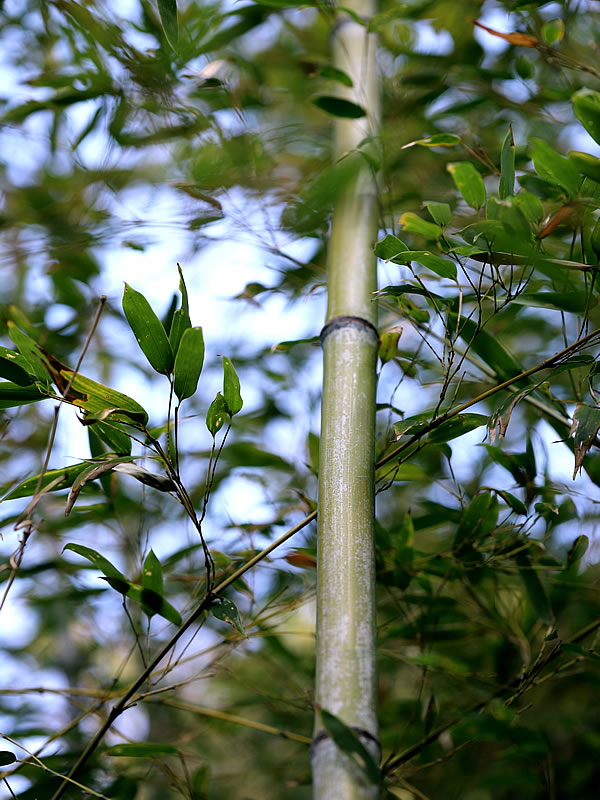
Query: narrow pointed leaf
455	427
29	351
148	330
181	318
231	387
469	183
101	563
533	587
507	166
11	395
85	476
14	367
153	479
141	750
152	576
339	107
168	17
100	402
188	363
113	436
6	758
351	745
438	140
586	163
53	481
441	266
586	424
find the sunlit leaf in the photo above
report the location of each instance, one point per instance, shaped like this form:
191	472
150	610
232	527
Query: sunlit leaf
412	223
53	481
148	330
14	367
388	345
553	167
438	140
152	576
586	105
440	212
586	163
231	387
29	352
553	31
101	402
188	363
469	183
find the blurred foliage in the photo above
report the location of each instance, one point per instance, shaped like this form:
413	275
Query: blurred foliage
487	562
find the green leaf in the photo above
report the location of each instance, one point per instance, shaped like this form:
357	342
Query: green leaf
553	167
409	288
335	74
351	745
517	506
440	212
181	318
94	471
14	367
114	437
478	519
231	387
100	402
586	424
389	248
530	206
148	330
53	481
553	31
441	266
507	166
12	395
534	588
455	427
469	183
587	164
586	105
188	363
29	351
6	758
168	16
575	302
438	140
488	348
216	414
141	750
412	223
227	611
101	563
499	419
338	107
388	345
152	576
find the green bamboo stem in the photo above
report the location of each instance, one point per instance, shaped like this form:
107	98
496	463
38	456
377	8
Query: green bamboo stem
346	671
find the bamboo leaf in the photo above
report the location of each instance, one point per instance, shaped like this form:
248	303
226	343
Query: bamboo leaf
14	367
586	423
351	745
101	563
412	223
488	348
6	758
517	506
507	166
216	414
390	248
335	74
29	351
587	164
53	481
438	140
498	421
12	395
141	750
181	318
553	167
586	105
153	479
388	345
231	387
455	427
101	402
152	575
148	330
168	16
114	437
469	183
227	611
339	107
441	266
85	476
440	212
534	588
188	363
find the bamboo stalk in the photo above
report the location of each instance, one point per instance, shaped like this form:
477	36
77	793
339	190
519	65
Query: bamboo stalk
346	672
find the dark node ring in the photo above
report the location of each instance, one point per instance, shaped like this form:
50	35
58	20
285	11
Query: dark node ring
344	321
362	733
